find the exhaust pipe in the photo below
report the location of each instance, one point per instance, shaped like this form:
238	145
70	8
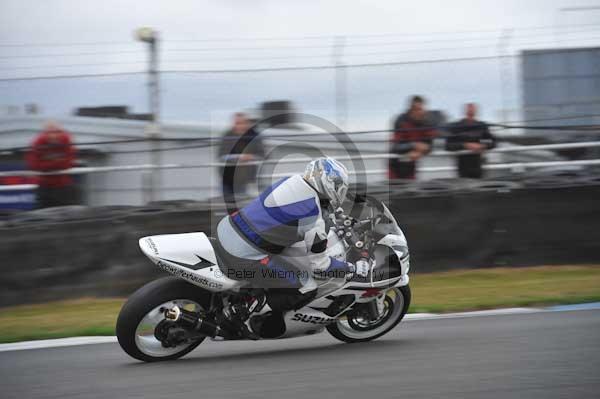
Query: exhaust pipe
192	321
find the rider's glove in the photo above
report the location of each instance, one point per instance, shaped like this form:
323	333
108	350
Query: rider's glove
351	271
363	266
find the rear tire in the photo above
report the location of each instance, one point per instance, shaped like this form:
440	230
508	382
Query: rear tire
335	330
147	298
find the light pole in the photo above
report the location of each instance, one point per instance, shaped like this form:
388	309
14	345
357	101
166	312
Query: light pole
150	36
341	103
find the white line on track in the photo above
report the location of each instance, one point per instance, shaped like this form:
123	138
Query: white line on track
479	313
56	343
75	341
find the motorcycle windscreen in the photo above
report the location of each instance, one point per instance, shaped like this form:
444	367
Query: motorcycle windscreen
387	224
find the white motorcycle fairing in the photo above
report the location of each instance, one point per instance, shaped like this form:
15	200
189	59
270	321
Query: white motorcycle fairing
189	256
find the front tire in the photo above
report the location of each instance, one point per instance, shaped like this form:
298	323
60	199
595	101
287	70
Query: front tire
351	331
144	306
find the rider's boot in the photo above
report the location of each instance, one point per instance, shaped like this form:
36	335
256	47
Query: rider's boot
268	325
280	300
239	313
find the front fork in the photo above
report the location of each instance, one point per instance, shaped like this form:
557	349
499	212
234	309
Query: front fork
376	307
371	310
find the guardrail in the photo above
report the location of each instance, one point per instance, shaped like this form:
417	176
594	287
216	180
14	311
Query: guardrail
517	165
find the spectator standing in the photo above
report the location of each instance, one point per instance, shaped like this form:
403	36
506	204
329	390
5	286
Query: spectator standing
472	135
52	150
412	138
240	144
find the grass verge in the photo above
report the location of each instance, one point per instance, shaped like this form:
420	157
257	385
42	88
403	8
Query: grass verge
81	317
463	290
451	291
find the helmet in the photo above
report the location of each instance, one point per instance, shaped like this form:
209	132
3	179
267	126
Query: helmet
329	177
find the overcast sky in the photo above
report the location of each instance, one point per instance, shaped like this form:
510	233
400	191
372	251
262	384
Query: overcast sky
84	20
87	20
418	23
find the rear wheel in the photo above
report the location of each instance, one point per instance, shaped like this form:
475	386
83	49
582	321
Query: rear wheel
144	310
355	327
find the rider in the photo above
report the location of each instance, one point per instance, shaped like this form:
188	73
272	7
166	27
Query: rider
287	213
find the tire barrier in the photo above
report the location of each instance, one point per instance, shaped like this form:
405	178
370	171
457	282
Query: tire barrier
72	258
589	180
494	186
113	211
550	182
70	252
178	204
538	225
429	188
502	223
47	215
67	213
563	172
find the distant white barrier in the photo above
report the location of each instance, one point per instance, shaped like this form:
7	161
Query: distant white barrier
17	187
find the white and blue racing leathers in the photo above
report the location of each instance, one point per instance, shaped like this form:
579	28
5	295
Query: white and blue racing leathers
287	213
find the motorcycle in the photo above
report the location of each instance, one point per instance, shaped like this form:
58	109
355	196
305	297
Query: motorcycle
169	317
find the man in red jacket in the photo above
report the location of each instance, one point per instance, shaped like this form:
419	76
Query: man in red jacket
52	150
413	137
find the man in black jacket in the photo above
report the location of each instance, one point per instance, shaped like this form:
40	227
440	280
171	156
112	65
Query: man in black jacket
241	144
472	135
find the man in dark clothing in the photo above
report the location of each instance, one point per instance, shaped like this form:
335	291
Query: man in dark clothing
240	144
472	135
52	150
412	138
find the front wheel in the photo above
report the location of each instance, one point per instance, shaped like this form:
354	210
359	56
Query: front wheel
144	310
354	327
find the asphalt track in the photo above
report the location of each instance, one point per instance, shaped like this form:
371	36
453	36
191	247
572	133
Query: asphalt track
540	355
